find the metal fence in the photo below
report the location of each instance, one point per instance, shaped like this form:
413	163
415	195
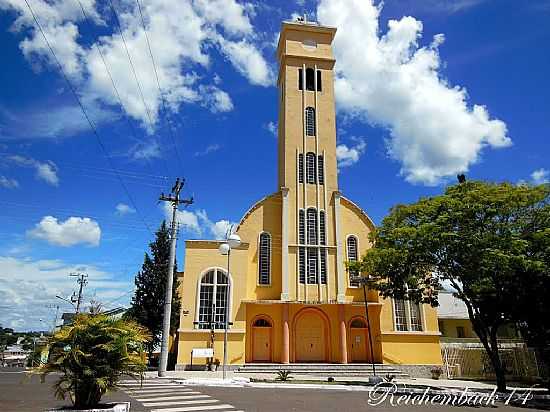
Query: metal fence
470	360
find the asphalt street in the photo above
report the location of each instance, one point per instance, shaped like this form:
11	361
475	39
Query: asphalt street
21	393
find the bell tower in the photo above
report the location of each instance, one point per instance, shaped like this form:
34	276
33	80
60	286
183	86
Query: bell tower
307	170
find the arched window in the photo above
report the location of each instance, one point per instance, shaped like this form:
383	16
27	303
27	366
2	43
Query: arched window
310	168
358	323
301	168
213	299
310	79
321	169
310	121
262	323
352	257
264	260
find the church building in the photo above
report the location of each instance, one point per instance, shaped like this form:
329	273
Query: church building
288	295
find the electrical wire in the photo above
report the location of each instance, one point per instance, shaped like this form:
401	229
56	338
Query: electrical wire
161	94
89	120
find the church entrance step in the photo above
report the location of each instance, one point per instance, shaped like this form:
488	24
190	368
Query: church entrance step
324	369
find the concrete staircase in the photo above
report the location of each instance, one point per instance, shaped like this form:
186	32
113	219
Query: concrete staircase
323	369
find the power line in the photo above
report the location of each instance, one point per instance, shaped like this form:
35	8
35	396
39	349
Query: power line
94	130
130	124
147	110
158	86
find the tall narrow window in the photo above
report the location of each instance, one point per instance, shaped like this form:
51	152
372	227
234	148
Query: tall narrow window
310	79
310	168
416	320
312	265
301	249
301	168
322	228
311	226
310	121
264	260
321	171
300	79
213	300
302	264
319	85
400	315
323	266
352	257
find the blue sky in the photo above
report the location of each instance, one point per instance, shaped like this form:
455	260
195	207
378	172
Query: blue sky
424	90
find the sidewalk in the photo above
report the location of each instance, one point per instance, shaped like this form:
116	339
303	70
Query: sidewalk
242	379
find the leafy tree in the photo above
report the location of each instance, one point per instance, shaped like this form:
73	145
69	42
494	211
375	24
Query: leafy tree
531	308
91	355
476	237
148	301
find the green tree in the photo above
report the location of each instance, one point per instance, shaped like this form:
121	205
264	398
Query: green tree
476	237
92	355
531	308
147	306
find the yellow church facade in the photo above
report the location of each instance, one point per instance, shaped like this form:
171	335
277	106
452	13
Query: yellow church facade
288	295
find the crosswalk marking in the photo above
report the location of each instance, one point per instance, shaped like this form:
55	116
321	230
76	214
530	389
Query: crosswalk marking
173	397
170	398
153	391
194	408
194	402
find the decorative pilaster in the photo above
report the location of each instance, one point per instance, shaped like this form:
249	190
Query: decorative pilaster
340	269
284	251
343	334
285	355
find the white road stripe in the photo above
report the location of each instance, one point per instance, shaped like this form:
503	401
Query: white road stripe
195	408
151	385
182	402
170	398
156	395
172	390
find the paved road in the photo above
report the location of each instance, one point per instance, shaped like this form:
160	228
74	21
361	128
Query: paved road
19	393
164	396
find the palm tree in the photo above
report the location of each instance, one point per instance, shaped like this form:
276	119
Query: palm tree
92	354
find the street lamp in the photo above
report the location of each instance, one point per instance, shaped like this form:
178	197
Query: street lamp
233	241
363	280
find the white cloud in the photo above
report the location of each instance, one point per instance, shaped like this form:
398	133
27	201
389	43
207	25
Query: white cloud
271	127
181	35
123	209
144	151
247	59
71	232
348	156
46	171
209	149
216	100
199	223
391	81
540	176
27	286
8	183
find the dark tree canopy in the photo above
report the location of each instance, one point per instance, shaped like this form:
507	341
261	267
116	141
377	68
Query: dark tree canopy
148	302
478	238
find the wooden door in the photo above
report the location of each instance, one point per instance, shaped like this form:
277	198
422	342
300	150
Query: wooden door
310	338
359	345
262	344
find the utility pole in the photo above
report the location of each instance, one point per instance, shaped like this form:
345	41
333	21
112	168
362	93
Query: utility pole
82	280
174	199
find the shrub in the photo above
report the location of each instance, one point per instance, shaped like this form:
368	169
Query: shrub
92	354
283	375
